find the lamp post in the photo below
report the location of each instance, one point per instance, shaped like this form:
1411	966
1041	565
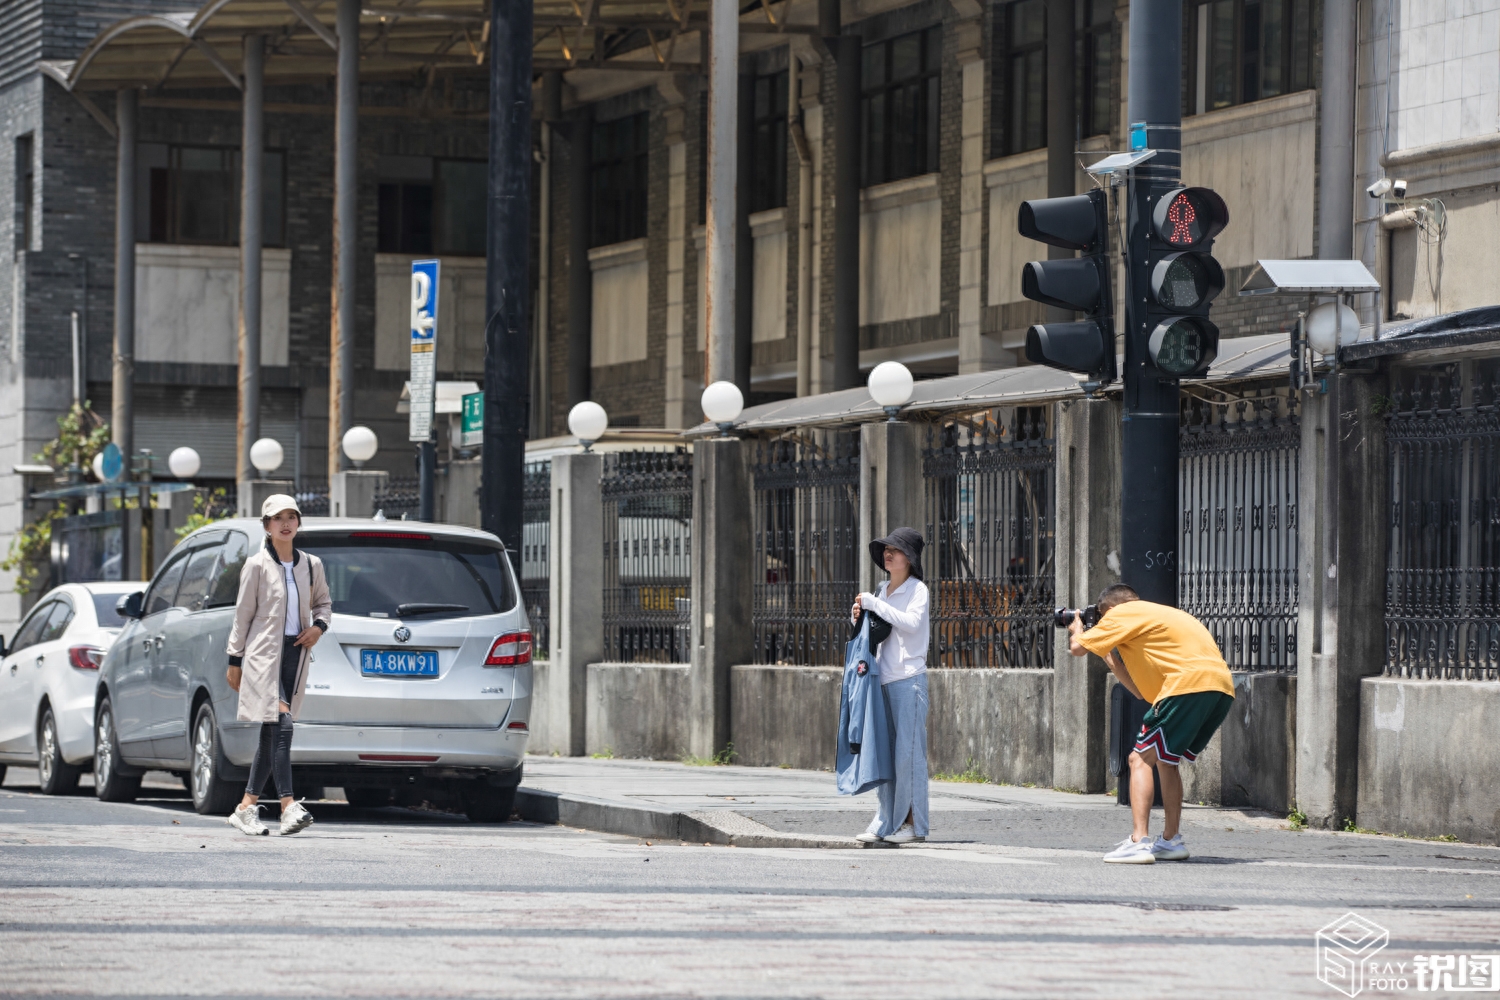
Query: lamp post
588	422
722	404
890	385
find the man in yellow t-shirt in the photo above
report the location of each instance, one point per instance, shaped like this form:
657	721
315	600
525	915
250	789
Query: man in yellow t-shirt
1165	656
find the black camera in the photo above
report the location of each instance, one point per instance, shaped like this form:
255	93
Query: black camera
1063	617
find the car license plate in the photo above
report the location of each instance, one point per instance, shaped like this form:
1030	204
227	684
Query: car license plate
398	662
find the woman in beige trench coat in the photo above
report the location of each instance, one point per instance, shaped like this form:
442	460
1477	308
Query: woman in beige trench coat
283	609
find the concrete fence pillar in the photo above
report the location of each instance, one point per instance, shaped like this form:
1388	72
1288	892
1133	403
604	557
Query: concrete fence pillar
890	490
723	585
1086	555
460	503
576	629
1342	524
352	494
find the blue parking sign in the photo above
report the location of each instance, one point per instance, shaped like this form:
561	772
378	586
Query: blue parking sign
424	310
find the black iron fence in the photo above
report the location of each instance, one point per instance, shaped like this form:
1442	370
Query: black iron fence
1237	571
399	499
312	497
648	537
536	536
1442	598
988	484
806	545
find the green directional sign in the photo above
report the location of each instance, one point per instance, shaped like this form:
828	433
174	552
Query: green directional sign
473	430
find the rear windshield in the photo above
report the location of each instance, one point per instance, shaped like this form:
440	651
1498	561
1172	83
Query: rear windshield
104	610
383	577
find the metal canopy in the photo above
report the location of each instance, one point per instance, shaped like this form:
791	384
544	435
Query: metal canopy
1314	277
1240	359
200	47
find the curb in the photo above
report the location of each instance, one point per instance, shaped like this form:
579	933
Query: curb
719	826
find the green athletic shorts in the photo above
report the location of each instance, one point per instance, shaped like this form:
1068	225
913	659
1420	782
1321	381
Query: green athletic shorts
1178	728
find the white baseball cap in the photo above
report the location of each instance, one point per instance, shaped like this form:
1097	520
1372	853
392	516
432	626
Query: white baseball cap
278	502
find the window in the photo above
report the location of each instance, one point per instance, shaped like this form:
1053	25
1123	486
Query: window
1237	51
164	590
379	577
104	610
618	180
405	218
29	634
224	588
193	593
901	90
192	195
768	152
59	620
25	190
1021	72
462	202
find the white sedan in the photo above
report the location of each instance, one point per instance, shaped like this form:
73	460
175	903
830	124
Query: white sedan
48	677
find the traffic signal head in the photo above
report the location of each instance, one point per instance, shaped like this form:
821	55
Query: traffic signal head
1183	279
1080	284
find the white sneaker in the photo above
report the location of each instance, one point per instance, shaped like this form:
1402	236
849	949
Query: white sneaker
295	819
905	835
1133	852
1171	850
867	838
246	819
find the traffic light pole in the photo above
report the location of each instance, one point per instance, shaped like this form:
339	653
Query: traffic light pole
1148	442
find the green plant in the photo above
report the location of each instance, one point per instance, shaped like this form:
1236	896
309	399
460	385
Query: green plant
607	753
1381	405
206	511
1028	784
970	774
720	759
1069	789
81	434
1297	819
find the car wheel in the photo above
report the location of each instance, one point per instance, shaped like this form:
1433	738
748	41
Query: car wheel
58	777
2	774
368	798
109	784
212	795
484	804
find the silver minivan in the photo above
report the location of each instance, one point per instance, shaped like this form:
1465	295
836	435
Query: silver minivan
421	690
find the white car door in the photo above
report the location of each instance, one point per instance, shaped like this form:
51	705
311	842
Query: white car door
18	676
48	657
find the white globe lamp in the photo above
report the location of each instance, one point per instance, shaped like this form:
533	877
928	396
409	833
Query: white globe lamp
722	404
890	386
184	463
266	455
360	444
588	422
98	466
1330	326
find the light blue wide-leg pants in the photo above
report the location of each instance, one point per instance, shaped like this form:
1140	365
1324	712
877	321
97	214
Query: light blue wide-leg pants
906	709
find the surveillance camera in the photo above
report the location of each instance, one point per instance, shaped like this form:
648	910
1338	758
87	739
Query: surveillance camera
1380	188
1398	188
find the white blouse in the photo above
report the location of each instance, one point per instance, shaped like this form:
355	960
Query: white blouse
904	653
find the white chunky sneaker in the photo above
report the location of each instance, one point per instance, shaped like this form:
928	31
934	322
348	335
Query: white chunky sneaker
905	835
246	819
294	819
1171	850
867	838
1133	852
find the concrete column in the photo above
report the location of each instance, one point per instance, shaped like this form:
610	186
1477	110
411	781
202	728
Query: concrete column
253	493
345	233
576	553
460	504
846	185
1086	551
798	141
744	240
580	274
677	219
1336	132
971	198
1062	125
1341	580
723	582
890	489
122	417
252	156
720	241
352	493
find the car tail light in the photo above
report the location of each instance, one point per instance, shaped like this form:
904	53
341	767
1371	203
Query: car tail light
85	657
519	727
391	534
510	649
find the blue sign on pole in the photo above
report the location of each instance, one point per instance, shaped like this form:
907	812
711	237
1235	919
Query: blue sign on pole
424	310
112	463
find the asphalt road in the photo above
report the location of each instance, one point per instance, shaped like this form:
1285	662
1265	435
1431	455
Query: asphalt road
150	899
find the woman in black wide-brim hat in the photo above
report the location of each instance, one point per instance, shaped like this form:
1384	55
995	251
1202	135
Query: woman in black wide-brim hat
903	601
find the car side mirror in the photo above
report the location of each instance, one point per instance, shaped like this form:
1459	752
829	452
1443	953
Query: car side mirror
129	606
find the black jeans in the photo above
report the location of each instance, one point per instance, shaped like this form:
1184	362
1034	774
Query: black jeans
274	754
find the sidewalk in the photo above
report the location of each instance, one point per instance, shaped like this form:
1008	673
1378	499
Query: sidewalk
782	807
